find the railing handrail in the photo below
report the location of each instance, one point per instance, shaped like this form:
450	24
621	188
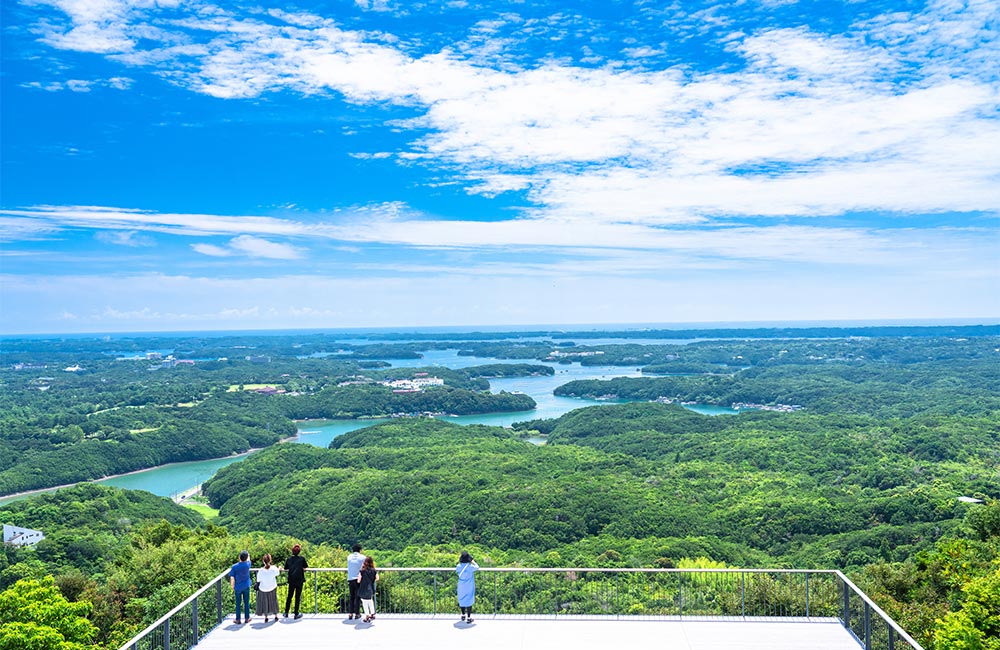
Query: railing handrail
585	569
878	610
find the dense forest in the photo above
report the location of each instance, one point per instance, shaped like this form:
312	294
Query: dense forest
107	416
864	474
797	493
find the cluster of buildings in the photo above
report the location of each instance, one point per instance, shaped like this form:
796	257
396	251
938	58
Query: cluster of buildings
29	366
417	383
559	354
781	408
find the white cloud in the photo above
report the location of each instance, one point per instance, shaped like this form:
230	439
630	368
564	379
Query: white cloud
212	250
130	238
257	247
835	122
250	246
696	244
81	85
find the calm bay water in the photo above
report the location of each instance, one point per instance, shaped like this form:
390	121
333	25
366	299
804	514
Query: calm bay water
176	478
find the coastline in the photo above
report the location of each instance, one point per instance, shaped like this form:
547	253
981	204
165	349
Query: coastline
180	496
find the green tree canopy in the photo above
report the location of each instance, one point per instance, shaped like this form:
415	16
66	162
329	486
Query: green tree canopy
36	616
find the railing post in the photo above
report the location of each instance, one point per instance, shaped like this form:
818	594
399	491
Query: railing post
495	577
680	594
618	593
807	595
315	592
194	621
166	634
435	593
847	606
218	601
868	626
892	638
743	594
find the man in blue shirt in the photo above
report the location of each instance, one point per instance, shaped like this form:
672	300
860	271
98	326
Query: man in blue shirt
239	578
354	562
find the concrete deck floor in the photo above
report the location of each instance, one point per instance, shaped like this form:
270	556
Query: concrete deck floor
447	633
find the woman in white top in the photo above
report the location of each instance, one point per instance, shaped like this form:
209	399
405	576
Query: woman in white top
267	590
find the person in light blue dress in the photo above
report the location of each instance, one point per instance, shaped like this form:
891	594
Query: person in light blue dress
466	571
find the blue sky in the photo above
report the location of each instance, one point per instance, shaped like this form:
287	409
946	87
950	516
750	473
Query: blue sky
190	165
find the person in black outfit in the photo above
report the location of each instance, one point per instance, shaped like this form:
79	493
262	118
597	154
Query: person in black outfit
296	567
366	588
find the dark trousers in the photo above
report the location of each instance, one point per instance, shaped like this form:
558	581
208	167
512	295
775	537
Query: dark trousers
293	589
353	603
243	598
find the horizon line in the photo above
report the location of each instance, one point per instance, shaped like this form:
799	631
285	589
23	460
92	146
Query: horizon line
538	327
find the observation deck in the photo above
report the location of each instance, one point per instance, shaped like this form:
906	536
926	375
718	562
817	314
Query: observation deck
396	631
542	609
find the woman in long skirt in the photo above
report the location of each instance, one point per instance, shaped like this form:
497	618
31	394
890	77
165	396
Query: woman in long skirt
466	571
267	591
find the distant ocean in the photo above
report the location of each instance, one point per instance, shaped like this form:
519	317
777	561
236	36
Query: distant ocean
367	332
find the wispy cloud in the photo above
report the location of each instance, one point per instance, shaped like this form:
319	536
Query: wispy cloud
250	246
155	301
627	245
129	238
257	247
81	85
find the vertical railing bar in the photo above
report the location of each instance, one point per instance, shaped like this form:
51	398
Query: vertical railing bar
846	618
680	595
743	594
868	627
166	634
315	592
807	595
194	621
618	592
218	601
435	593
555	597
495	612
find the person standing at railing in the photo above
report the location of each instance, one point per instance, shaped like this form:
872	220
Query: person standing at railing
466	589
354	562
295	566
267	589
239	578
366	588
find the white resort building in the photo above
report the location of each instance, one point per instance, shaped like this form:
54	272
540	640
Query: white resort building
16	536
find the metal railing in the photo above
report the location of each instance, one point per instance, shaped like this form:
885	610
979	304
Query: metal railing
667	594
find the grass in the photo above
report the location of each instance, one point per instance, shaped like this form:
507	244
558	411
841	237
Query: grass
200	505
235	387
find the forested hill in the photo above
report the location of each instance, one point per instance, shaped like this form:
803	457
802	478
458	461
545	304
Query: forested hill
805	490
84	526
